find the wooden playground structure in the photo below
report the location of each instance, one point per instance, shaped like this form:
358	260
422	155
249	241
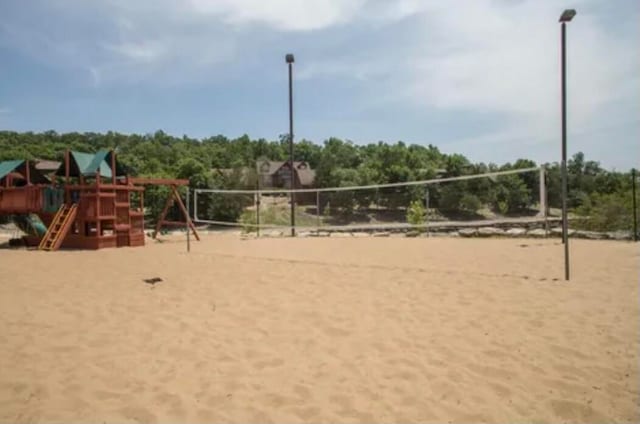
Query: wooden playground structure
88	203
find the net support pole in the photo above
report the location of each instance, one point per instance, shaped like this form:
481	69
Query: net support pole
563	167
377	204
257	199
635	206
292	168
318	210
186	221
543	198
543	195
195	205
426	201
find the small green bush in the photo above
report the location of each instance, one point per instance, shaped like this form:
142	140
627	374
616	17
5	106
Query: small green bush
416	214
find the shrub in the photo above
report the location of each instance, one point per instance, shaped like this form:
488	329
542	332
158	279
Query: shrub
416	213
606	212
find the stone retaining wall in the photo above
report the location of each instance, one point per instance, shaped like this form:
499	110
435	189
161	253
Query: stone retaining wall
480	232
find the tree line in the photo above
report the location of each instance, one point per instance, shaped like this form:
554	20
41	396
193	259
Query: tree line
602	196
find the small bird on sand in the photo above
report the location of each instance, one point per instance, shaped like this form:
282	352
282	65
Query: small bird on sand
152	281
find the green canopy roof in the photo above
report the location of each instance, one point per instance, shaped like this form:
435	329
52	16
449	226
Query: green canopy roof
9	166
88	164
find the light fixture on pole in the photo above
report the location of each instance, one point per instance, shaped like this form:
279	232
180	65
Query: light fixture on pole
290	59
566	16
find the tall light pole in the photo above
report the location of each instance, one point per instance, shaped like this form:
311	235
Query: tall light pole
566	16
289	59
635	206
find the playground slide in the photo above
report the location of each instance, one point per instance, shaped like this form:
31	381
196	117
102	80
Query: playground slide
30	224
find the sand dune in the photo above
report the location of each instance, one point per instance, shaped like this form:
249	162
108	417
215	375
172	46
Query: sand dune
321	330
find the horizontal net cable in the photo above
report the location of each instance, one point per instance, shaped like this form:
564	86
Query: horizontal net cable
372	186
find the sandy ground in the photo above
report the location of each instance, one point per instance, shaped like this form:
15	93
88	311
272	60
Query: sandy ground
322	330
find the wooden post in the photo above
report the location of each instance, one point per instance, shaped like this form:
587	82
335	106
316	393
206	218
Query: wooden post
67	172
113	167
27	172
167	205
98	205
184	211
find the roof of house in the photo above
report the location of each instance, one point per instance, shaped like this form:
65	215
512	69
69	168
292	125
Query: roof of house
268	168
307	176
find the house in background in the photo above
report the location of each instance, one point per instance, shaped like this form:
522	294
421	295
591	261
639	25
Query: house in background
271	175
277	174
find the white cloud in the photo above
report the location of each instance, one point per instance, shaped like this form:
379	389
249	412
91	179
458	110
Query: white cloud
513	70
4	110
147	51
494	58
286	15
502	60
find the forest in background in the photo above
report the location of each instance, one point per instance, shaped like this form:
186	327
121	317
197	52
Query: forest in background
602	197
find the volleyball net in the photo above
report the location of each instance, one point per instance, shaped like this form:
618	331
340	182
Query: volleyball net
517	195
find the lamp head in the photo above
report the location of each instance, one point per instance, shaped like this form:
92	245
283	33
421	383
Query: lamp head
289	58
567	15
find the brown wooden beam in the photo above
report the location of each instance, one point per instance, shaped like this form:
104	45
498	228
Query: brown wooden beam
113	167
27	172
167	205
185	213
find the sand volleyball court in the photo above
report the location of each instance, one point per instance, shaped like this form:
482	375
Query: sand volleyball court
321	330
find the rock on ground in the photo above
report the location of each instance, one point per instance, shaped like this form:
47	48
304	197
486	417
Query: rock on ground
591	235
490	231
619	235
538	232
468	232
516	232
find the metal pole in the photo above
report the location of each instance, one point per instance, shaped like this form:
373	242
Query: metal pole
187	220
377	204
293	180
195	204
565	224
544	199
257	200
426	195
635	207
318	209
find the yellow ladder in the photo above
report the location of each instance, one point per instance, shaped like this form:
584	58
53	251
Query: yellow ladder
59	227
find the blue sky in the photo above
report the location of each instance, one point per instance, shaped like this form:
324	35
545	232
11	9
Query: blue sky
477	77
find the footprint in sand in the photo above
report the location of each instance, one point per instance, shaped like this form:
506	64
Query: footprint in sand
270	363
574	411
138	413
